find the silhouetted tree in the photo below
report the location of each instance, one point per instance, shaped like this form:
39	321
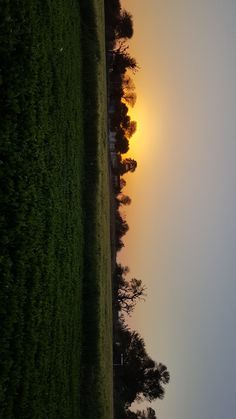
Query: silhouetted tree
129	94
127	81
143	378
122	183
127	165
129	293
121	270
121	225
122	143
123	62
131	129
124	199
125	121
127	125
123	110
149	413
124	26
154	381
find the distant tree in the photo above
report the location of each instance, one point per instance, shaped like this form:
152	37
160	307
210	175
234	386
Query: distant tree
124	199
131	129
121	225
124	26
122	144
119	243
149	413
154	381
121	270
143	378
123	110
124	61
127	165
127	125
128	86
164	373
121	47
119	115
125	121
130	98
122	183
130	414
112	16
127	81
129	293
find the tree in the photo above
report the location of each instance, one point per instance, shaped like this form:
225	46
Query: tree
124	61
122	183
121	225
129	94
151	414
127	81
124	199
131	129
120	116
121	270
142	414
154	381
122	144
124	26
129	293
127	165
128	126
125	121
130	98
121	229
121	47
143	378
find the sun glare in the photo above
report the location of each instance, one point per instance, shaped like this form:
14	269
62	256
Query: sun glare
136	142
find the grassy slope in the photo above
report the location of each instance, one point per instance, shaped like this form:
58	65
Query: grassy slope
42	163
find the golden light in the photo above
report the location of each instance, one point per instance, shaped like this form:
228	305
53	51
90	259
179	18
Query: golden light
136	142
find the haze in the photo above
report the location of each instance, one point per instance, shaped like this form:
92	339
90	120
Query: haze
182	239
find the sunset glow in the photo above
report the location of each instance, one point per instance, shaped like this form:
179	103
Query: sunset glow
181	241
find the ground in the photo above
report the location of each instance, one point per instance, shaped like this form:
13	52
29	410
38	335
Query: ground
55	294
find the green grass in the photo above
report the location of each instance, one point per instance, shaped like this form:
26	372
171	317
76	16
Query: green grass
55	291
97	364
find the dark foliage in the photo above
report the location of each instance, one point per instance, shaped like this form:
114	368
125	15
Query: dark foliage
140	378
124	27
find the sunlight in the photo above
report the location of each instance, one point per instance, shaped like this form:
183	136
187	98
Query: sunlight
141	143
137	141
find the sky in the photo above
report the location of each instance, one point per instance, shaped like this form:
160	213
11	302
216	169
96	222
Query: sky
182	237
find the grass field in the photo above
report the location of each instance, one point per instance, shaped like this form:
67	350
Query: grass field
97	364
55	291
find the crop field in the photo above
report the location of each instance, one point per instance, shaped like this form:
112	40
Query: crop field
55	290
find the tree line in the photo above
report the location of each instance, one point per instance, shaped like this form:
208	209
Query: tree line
137	376
121	96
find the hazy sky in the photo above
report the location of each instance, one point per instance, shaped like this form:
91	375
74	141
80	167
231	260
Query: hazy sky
182	239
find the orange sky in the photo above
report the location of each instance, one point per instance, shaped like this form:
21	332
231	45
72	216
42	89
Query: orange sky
144	147
182	220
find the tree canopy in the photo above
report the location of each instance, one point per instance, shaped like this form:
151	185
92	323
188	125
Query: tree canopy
130	292
149	413
139	377
124	26
127	165
143	378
